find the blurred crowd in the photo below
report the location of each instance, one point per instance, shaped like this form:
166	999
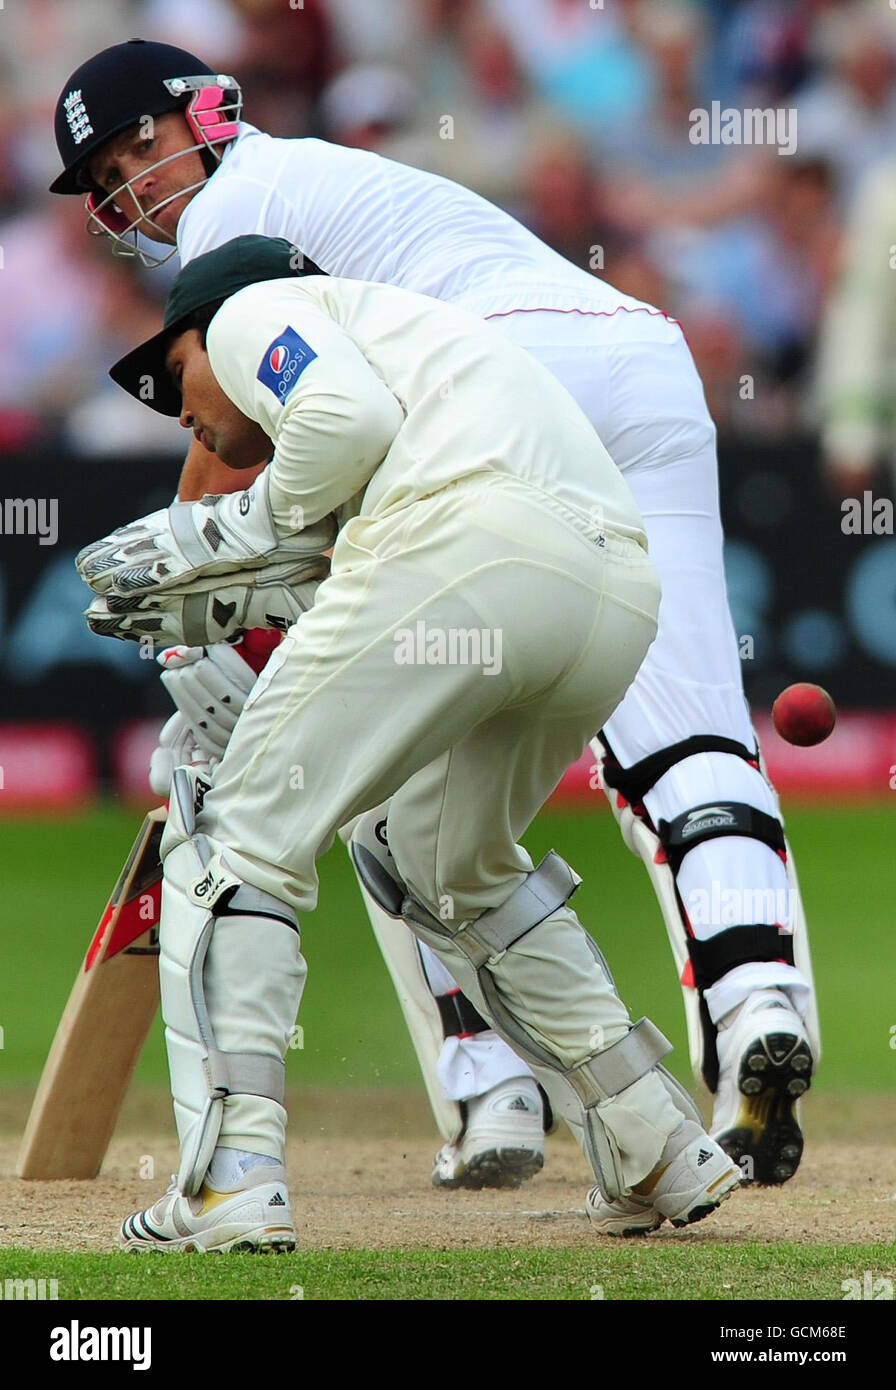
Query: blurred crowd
575	115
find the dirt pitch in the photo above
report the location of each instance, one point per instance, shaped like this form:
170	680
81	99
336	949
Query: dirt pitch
360	1167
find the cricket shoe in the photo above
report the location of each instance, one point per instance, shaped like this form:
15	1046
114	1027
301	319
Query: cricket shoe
694	1175
765	1065
254	1217
503	1140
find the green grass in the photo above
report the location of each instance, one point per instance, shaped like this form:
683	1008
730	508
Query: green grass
623	1272
57	874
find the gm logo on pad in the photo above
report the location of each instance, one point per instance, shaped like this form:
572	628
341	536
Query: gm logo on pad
283	363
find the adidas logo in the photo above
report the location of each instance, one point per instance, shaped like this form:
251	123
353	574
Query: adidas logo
519	1103
703	1157
276	1201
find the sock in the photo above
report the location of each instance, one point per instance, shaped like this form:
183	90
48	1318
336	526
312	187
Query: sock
229	1166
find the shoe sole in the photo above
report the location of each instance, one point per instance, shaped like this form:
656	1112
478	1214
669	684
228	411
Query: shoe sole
701	1206
270	1242
498	1168
766	1141
637	1225
708	1201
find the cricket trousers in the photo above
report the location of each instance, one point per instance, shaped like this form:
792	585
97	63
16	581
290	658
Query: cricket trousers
367	699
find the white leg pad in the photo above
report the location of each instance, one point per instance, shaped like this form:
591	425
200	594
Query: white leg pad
802	956
532	971
454	1069
642	840
231	981
623	1131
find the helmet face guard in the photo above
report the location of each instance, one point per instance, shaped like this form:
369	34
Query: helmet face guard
212	114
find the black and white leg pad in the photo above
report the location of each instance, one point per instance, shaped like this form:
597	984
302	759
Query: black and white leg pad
701	964
231	981
580	1092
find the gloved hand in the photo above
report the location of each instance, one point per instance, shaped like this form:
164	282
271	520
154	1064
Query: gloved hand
211	610
189	541
197	572
177	748
209	685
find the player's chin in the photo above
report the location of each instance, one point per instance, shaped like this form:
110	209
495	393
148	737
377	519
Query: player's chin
161	223
232	452
154	231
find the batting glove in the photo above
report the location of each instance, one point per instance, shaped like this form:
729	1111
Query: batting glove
209	686
177	748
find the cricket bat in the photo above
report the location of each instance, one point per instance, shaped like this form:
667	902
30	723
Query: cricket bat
104	1026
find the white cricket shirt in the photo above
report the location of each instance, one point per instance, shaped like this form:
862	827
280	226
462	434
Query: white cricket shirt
359	215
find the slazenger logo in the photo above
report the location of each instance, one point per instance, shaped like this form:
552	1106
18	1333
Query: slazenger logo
707	818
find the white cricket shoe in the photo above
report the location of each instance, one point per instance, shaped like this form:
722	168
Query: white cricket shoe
765	1065
255	1217
503	1140
693	1176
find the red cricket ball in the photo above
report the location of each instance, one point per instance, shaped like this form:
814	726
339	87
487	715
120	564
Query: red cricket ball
804	714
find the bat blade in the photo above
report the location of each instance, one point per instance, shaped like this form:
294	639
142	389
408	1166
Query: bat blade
103	1027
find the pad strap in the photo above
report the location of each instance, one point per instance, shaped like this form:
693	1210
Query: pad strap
247	1074
540	893
713	821
459	1017
248	901
737	946
620	1065
636	781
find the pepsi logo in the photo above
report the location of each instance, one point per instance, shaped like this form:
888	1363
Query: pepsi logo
278	358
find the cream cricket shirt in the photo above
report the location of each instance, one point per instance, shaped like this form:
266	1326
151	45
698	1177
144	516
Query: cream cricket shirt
371	389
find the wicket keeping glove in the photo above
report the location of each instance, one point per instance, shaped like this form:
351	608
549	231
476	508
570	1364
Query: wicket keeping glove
199	572
210	611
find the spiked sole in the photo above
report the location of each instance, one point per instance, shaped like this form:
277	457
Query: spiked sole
255	1243
766	1140
642	1223
501	1168
714	1196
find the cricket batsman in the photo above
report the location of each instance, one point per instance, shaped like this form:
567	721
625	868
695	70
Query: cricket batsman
490	508
154	141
